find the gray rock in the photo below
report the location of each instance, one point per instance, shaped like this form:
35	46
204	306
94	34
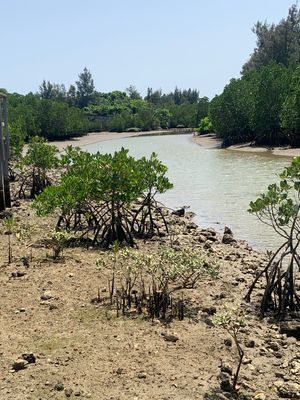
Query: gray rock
68	392
290	390
225	385
274	346
209	310
47	295
29	357
18	274
59	387
191	225
228	239
250	344
228	342
170	338
19	364
291	328
226	368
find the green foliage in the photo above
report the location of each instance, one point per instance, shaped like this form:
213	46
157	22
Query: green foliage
232	319
276	43
17	140
58	240
148	280
279	205
23	235
230	112
262	106
290	115
85	88
97	191
270	92
35	166
279	208
31	116
57	113
205	126
40	155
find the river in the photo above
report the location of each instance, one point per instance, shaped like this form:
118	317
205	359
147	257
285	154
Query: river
217	184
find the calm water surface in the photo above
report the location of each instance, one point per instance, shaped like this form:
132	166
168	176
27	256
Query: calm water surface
217	184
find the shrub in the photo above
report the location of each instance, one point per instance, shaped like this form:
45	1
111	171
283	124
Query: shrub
97	194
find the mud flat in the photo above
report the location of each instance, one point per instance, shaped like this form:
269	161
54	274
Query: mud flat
83	350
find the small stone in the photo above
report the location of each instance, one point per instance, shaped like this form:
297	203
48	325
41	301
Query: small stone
278	354
226	368
291	340
59	387
142	375
295	367
19	364
68	392
209	310
278	384
274	346
228	342
260	396
225	385
119	371
250	344
46	295
29	357
289	390
77	393
18	274
170	338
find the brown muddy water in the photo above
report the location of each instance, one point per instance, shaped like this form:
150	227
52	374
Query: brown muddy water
216	184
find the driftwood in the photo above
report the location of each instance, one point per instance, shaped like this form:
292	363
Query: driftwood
5	200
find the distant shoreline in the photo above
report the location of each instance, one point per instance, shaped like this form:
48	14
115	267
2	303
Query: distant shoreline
211	141
96	137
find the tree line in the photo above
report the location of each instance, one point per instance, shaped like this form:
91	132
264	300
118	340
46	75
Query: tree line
263	106
57	112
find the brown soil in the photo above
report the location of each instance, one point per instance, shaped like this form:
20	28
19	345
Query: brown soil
89	350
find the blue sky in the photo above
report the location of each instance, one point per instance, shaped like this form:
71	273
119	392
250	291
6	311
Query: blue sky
200	44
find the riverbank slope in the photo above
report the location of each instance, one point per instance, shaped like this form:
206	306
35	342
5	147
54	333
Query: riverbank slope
97	137
84	350
211	141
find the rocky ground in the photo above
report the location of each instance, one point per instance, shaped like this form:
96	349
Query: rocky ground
56	344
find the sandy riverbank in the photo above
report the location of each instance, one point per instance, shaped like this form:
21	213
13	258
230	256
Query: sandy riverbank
96	137
210	141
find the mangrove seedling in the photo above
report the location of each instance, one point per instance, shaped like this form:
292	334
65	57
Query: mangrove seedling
24	234
232	319
9	224
279	208
59	240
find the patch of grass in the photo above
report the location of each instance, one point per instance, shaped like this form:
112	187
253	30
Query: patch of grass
52	345
87	316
